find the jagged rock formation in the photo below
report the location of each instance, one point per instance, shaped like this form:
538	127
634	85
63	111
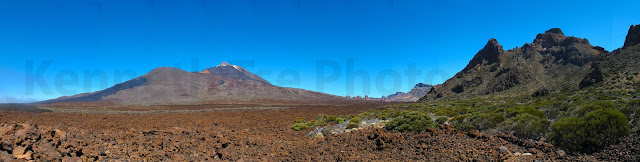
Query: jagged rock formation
413	95
633	37
224	83
553	61
489	55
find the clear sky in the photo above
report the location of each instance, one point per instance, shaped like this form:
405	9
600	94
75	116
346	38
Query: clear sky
51	48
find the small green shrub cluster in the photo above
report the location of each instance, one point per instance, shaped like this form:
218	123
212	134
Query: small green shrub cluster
529	126
441	119
321	120
591	132
299	126
353	123
410	121
480	121
517	110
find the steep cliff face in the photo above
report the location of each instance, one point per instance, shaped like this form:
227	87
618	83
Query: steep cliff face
633	37
553	61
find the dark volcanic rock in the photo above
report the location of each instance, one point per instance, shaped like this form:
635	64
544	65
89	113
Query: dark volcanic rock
595	76
488	55
541	92
633	37
553	60
550	38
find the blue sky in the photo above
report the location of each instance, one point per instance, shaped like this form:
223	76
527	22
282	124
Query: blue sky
93	44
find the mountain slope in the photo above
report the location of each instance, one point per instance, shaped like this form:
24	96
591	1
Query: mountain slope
620	70
413	95
552	62
224	83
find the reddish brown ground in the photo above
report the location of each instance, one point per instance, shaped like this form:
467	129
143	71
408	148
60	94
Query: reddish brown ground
236	135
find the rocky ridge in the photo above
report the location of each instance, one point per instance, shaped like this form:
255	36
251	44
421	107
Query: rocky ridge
542	64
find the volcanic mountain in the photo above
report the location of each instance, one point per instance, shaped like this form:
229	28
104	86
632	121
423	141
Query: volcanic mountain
225	83
552	62
413	95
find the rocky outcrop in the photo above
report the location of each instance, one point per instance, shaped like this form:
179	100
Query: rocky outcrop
633	37
488	55
595	76
551	37
553	60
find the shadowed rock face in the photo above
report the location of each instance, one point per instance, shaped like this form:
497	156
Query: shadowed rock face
547	62
224	83
633	37
488	55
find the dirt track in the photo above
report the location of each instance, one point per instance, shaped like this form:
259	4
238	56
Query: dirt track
235	135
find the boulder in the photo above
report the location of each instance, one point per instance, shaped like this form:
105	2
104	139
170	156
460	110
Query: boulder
21	152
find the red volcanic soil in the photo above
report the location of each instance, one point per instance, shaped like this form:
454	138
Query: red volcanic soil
246	134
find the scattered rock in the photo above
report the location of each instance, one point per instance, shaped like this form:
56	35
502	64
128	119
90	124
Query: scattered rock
474	134
21	152
561	153
503	149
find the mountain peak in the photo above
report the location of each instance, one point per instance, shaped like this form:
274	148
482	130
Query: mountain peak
422	85
555	31
488	55
551	37
227	70
224	63
633	37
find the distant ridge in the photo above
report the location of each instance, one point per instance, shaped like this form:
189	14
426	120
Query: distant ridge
413	95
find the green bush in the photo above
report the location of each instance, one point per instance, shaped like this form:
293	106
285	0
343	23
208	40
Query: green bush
298	120
631	107
591	132
585	108
410	121
354	120
482	121
515	111
352	125
365	115
456	120
320	121
340	120
445	112
332	118
441	119
387	114
528	126
299	126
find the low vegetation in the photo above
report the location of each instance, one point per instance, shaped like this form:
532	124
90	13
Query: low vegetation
584	121
595	130
410	121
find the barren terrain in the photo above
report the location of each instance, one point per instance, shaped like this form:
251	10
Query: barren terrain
244	134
